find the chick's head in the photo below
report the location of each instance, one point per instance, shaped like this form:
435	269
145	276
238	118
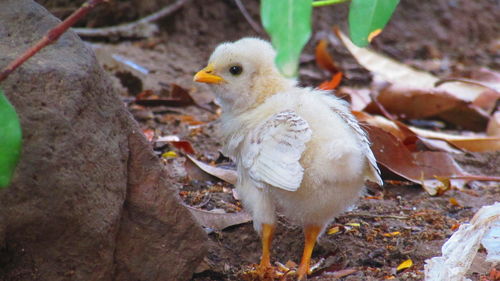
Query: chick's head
243	73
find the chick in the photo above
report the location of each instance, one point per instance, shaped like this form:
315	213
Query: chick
299	151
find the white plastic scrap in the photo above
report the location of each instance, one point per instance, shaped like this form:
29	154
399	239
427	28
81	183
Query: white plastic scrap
491	241
461	248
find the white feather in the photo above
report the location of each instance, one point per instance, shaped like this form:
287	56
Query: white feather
273	149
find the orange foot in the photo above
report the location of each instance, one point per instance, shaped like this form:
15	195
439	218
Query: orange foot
311	234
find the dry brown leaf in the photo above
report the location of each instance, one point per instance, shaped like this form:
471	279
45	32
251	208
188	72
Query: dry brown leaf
454	202
323	58
397	73
229	176
218	221
360	97
333	83
411	93
473	143
149	133
179	97
487	100
382	123
340	273
411	103
421	167
493	128
174	140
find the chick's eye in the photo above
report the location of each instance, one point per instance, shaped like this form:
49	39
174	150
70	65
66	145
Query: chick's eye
235	69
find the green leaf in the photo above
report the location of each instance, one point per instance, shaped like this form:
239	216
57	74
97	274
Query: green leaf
288	22
367	18
10	140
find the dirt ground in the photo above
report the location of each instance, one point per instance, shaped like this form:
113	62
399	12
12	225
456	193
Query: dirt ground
391	224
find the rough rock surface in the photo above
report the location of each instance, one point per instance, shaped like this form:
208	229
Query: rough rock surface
89	200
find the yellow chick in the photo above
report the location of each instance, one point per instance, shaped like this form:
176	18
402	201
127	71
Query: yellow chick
299	151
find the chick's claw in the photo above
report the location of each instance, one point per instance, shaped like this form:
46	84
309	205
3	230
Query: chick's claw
267	273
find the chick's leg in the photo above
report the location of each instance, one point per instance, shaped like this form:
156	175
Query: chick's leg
267	237
311	234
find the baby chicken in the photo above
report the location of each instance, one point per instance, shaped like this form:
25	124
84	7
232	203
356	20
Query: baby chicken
299	151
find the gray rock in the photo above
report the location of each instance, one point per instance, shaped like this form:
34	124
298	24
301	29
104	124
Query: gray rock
89	199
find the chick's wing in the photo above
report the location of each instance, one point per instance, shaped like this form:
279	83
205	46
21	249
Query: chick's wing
273	149
373	172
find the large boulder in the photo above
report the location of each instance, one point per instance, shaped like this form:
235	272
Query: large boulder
89	200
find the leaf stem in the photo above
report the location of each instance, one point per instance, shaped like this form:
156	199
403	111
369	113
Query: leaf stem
322	3
50	37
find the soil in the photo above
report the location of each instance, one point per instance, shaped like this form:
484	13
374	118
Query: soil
389	225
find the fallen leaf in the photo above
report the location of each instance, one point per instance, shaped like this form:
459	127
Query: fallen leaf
353	224
374	197
179	97
290	264
385	124
360	97
333	83
341	273
406	264
391	234
149	133
454	202
169	154
494	274
427	168
489	85
147	94
218	220
472	142
168	138
185	146
415	103
397	73
235	194
323	58
493	128
227	175
333	230
190	120
487	100
411	93
418	167
439	145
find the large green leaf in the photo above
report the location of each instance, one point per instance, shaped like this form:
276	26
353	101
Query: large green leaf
10	140
288	22
367	18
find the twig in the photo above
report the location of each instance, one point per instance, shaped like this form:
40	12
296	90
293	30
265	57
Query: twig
142	28
51	36
490	86
375	216
247	16
476	178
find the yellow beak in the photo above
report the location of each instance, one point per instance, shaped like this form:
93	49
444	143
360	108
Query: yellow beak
205	76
